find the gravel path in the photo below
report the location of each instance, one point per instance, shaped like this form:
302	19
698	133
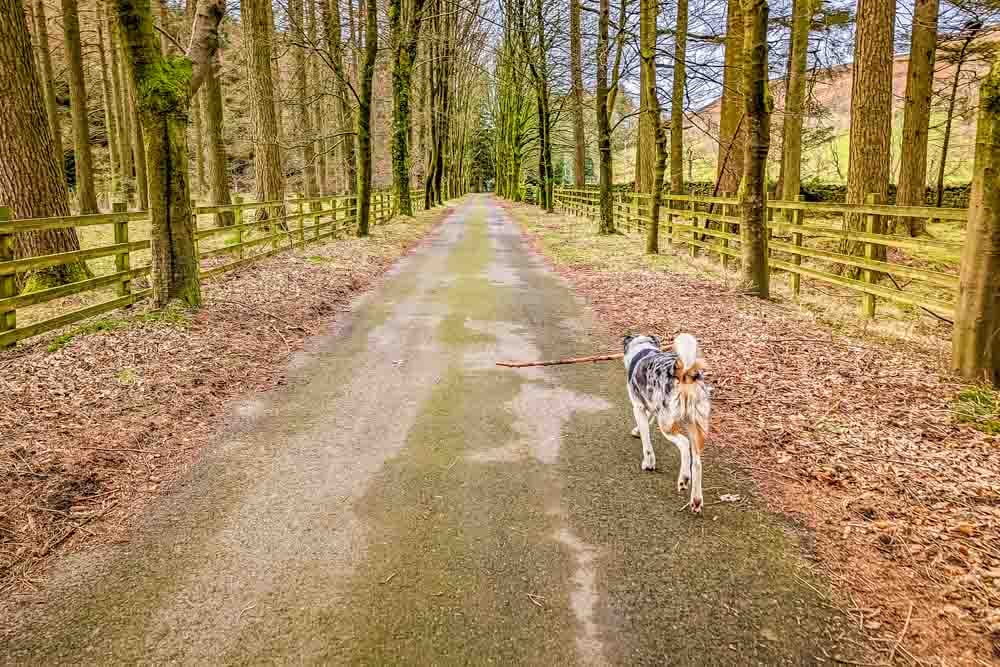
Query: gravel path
404	501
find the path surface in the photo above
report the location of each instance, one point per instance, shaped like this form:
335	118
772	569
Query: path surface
404	501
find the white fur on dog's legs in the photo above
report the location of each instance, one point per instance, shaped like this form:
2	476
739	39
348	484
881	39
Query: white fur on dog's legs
684	473
642	423
635	432
696	498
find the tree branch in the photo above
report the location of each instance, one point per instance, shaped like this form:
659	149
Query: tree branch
204	40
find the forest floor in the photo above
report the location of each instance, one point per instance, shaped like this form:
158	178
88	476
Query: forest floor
399	499
849	429
100	417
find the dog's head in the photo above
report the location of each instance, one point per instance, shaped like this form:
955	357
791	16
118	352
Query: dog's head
631	342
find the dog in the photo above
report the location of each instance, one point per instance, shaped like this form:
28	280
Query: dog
669	385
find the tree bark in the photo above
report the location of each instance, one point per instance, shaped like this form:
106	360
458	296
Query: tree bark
732	132
31	180
137	137
645	147
258	30
125	164
871	111
405	32
110	119
958	62
677	101
318	103
216	167
303	118
166	88
576	67
48	85
331	23
647	16
975	343
791	143
758	105
911	189
364	121
606	222
197	127
83	158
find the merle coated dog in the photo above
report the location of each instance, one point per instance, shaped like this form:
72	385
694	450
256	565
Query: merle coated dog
670	386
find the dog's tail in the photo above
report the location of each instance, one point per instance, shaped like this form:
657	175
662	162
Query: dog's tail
686	349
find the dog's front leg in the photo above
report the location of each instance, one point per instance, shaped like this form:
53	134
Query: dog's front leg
642	422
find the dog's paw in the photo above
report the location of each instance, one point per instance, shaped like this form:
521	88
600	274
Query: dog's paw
696	504
649	462
683	483
635	432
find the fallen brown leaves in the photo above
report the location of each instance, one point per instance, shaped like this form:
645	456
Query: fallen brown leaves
854	438
92	431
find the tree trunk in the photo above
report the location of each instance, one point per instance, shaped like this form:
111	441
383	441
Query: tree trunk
606	224
48	86
31	180
677	101
405	32
318	103
216	167
304	119
732	132
959	62
331	23
576	67
871	111
125	164
647	18
645	147
758	105
366	77
795	93
83	158
166	88
110	120
258	30
975	343
911	189
138	138
197	127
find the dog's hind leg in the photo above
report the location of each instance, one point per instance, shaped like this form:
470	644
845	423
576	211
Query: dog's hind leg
635	431
672	432
696	435
642	423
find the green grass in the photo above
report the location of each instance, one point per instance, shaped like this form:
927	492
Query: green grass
100	326
173	316
319	259
979	407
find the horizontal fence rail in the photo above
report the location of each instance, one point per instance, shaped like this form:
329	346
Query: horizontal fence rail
805	239
259	229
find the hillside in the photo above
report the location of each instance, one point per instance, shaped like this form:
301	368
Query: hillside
827	128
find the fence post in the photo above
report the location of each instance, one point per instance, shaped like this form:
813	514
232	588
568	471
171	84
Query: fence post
797	215
727	210
237	200
8	286
867	275
694	228
123	260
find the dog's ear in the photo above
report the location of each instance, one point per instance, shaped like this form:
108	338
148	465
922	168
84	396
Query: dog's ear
657	342
626	340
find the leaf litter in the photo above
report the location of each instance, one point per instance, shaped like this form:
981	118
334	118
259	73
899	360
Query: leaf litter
855	438
97	425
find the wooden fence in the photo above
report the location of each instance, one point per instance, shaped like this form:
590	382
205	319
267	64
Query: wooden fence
289	224
806	240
